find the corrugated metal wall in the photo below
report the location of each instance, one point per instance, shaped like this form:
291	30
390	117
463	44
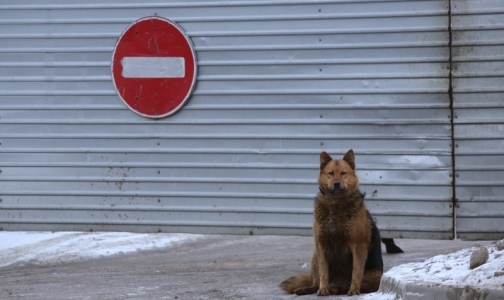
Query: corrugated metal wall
478	56
278	82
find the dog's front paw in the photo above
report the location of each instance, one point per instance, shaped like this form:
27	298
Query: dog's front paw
323	292
353	291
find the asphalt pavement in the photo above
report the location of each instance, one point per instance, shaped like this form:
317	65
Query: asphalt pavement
214	267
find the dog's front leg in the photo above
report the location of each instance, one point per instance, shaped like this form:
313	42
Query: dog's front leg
323	269
359	253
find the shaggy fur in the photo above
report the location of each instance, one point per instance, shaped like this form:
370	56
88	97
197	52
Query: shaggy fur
347	258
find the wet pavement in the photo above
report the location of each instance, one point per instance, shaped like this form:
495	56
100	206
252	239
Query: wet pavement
214	267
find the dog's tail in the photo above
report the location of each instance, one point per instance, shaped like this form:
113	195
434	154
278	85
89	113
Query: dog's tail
293	283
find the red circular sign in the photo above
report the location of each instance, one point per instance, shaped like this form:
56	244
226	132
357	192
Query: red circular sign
154	67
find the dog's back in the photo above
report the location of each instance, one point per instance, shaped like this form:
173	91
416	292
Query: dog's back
374	260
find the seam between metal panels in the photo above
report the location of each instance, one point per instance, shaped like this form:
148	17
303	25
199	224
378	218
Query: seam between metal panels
293	17
247	62
452	119
227	137
297	92
203	180
192	195
246	48
247	106
205	209
242	33
183	5
246	77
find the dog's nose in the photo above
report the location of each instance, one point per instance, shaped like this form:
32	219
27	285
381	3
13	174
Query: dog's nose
337	185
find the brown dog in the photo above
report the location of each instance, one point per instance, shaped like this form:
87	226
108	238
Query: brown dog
347	258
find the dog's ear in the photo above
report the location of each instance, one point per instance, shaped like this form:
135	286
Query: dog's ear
324	159
350	158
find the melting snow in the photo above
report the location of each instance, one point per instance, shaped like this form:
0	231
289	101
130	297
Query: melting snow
42	248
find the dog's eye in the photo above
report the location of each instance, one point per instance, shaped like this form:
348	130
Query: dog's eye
343	173
331	173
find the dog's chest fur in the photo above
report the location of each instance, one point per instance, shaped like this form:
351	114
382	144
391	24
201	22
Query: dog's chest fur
334	217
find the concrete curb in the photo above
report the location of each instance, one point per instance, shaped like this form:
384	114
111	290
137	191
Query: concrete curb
423	290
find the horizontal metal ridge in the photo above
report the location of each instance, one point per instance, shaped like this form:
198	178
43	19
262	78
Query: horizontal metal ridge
480	152
290	62
163	222
158	194
262	166
55	78
204	209
241	77
364	91
195	180
202	223
76	35
220	107
376	91
188	4
309	197
429	152
255	18
473	183
286	136
470	168
348	61
317	31
292	121
478	199
159	208
393	45
478	137
36	107
475	12
475	43
480	214
458	74
443	74
107	49
219	33
295	17
478	27
215	33
37	64
462	59
59	93
482	120
277	47
499	89
483	105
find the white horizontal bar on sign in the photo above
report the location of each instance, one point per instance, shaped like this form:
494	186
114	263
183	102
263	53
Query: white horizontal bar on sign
153	67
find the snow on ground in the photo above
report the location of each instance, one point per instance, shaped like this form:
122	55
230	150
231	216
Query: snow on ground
44	248
377	296
453	269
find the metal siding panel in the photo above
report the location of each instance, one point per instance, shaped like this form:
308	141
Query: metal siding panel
479	115
279	81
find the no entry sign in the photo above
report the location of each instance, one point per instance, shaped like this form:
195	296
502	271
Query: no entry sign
154	67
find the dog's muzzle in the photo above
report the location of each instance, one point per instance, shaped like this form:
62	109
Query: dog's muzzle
337	186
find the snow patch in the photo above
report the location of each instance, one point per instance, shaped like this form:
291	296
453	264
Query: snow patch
43	248
453	270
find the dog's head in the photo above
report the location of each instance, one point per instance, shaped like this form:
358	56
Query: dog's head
338	177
